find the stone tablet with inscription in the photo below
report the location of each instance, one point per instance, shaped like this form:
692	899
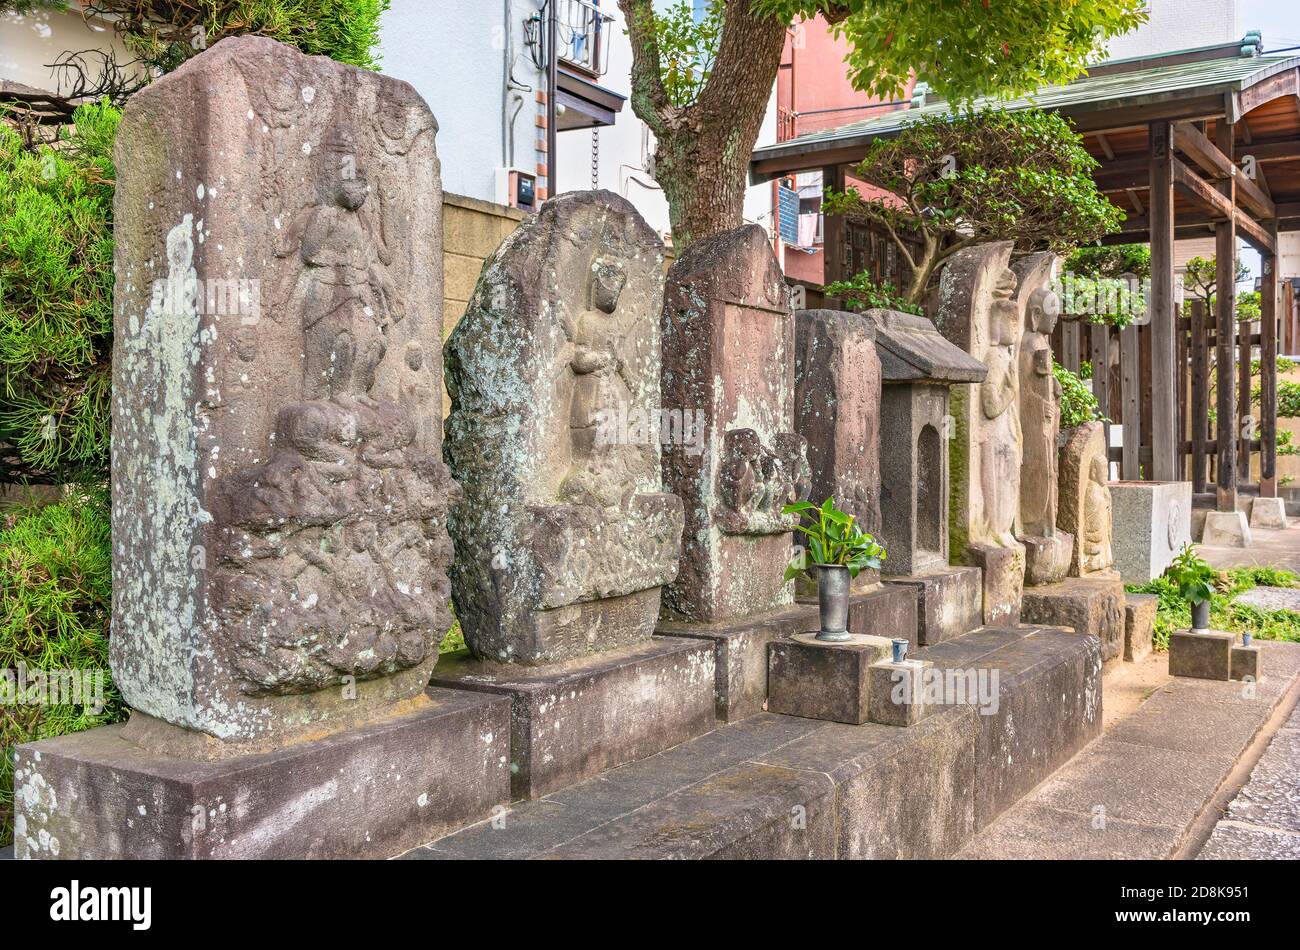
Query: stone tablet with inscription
728	343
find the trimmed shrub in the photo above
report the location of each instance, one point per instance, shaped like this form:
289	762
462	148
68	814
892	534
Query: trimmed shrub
56	298
55	571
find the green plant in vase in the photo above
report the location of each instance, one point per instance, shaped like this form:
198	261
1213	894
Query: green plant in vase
1194	579
835	551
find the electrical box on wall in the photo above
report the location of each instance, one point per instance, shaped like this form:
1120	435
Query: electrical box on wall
516	188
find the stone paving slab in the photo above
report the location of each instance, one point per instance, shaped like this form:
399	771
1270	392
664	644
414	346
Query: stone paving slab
1271	598
1136	791
1263	821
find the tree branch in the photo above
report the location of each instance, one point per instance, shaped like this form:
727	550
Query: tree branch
649	98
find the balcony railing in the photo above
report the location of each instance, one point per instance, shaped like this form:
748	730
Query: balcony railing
582	32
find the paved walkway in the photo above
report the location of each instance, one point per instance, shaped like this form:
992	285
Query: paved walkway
1268	548
1263	821
1139	790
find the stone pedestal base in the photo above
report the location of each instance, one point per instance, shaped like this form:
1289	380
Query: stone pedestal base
949	602
1093	605
1004	581
1245	663
740	655
1206	656
880	611
1139	625
898	693
573	720
1047	560
814	679
1268	513
1225	529
1150	523
370	792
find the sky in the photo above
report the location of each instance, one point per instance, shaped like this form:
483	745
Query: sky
1277	20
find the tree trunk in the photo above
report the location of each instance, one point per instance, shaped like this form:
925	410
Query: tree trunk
702	149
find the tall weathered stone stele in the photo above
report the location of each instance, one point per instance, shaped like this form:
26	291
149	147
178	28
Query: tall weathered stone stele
1085	509
564	535
728	341
279	497
977	311
279	504
918	366
1047	548
837	411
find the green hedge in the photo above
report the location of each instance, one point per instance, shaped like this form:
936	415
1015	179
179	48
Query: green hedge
56	298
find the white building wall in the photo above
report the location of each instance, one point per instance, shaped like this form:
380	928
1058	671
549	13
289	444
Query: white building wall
455	53
1180	24
30	42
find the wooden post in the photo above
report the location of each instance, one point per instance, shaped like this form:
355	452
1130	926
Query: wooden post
1268	372
1131	388
1099	356
1070	345
833	230
1164	428
1225	299
1200	408
1184	399
1245	410
1146	452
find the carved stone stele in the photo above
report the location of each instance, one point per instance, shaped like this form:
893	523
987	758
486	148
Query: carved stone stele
279	499
977	310
1085	507
564	535
837	411
979	313
728	344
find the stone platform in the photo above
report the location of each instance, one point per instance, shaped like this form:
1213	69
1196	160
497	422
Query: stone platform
1093	604
741	648
572	720
776	786
364	793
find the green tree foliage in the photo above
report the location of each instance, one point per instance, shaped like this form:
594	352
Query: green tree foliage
1078	404
1106	284
56	298
55	566
963	179
861	292
963	50
703	87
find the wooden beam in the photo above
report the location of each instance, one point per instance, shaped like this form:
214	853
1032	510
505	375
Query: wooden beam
1164	410
1275	150
1220	204
1226	424
1268	375
1193	143
1285	83
1105	147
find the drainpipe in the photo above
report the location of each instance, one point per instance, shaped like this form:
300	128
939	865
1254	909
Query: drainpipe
552	71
